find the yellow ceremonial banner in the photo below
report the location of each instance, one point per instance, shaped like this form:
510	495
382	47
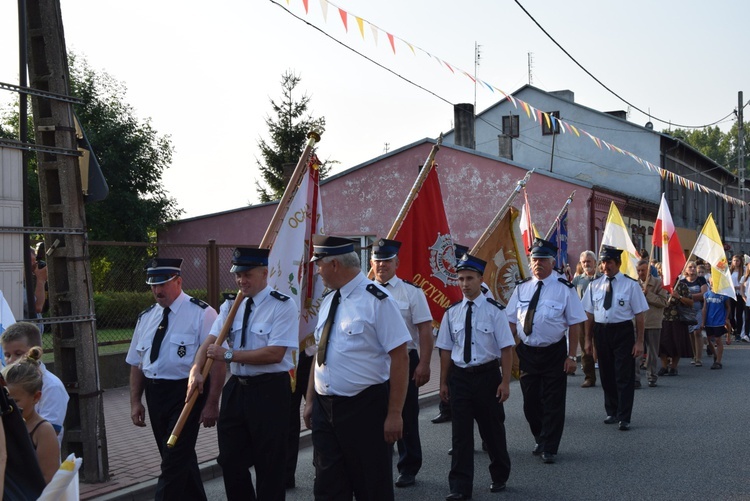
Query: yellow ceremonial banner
505	257
710	248
616	235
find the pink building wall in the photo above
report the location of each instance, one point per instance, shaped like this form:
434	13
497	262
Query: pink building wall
365	200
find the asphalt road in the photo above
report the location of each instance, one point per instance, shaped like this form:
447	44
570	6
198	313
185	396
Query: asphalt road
688	440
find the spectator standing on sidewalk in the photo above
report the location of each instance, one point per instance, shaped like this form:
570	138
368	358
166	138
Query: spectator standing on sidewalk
656	297
581	283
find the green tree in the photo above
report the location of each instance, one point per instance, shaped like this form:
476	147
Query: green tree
132	155
133	158
288	135
712	142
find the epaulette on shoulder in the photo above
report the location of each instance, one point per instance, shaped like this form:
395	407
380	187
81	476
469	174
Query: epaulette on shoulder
495	303
278	295
523	280
484	289
454	304
199	302
229	296
563	281
376	291
631	278
146	310
410	283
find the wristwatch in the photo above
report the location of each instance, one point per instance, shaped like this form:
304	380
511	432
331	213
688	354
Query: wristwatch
228	355
572	358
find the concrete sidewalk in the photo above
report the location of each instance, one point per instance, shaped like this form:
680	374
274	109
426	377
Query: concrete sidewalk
134	459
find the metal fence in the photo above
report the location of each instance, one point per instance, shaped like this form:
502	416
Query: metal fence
119	280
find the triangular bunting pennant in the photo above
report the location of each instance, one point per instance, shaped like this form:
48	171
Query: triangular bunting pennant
344	19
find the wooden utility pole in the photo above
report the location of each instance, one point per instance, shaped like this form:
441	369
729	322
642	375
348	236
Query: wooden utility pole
741	169
64	221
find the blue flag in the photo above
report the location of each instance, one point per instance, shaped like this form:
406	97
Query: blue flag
559	237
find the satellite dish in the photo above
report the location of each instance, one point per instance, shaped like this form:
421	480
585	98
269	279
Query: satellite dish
649	126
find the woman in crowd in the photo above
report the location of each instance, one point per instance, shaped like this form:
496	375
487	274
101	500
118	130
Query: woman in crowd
697	286
738	306
744	292
675	339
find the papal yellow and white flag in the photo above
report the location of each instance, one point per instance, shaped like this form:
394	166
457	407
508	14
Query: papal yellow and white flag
616	235
710	248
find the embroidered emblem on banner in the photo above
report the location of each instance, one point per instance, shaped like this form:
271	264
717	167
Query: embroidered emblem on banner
443	260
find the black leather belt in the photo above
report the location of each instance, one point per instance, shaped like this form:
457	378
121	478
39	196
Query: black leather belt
166	381
492	365
260	378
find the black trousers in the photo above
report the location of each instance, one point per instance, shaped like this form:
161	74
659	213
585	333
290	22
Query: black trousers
252	429
544	385
614	346
472	397
410	447
292	450
351	455
180	476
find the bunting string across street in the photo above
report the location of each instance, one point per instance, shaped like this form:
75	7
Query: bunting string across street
532	112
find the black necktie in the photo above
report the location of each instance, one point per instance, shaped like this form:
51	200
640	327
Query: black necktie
608	294
528	322
159	336
467	332
385	285
245	316
327	328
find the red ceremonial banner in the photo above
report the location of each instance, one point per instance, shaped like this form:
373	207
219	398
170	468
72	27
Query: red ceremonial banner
427	257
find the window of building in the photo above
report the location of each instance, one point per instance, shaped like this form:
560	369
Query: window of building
510	126
554	127
730	217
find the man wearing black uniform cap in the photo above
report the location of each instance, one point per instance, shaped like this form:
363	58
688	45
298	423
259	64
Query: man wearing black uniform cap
253	423
358	383
416	314
611	302
476	342
540	310
165	342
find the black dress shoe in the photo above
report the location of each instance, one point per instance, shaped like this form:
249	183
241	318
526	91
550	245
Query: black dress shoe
406	480
610	420
537	450
497	486
623	426
457	496
440	418
548	457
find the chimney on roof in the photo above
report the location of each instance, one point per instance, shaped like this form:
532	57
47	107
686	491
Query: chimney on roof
463	120
568	95
622	114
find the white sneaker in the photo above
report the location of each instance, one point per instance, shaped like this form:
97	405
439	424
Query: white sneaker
745	338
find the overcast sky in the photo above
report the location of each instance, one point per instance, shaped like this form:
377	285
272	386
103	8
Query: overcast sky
204	71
